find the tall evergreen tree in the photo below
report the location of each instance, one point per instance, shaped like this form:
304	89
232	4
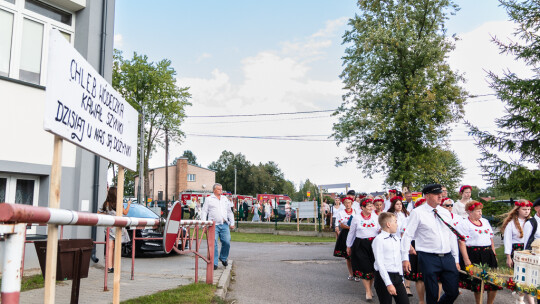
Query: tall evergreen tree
519	129
401	94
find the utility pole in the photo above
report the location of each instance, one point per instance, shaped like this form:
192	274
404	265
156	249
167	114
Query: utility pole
166	167
140	189
235	180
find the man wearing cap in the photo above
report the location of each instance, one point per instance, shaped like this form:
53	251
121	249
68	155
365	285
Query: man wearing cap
437	256
530	231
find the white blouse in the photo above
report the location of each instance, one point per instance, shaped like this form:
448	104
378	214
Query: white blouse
363	228
401	222
459	209
476	235
343	217
511	235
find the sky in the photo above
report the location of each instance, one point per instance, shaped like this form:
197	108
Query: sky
267	56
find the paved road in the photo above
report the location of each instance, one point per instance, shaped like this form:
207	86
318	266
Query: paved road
301	273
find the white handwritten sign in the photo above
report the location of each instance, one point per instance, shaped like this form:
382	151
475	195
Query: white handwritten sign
83	108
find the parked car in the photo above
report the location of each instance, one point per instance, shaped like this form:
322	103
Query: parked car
141	246
281	213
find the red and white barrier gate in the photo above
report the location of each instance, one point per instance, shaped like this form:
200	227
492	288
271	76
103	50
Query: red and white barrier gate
15	217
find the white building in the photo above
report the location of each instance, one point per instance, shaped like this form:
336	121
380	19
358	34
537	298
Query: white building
527	265
26	149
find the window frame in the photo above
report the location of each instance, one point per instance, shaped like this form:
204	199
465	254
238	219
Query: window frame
11	186
19	14
191	174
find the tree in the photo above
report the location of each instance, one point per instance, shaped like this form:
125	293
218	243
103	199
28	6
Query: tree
268	178
306	187
151	87
224	168
520	183
520	128
401	95
440	166
192	159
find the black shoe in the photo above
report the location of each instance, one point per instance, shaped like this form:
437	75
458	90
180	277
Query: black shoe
224	263
215	267
110	270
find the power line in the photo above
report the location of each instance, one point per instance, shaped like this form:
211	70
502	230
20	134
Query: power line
259	114
259	121
288	137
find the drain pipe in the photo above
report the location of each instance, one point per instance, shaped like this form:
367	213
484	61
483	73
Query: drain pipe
97	159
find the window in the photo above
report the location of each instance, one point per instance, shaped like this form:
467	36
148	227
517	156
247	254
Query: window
24	36
20	189
191	177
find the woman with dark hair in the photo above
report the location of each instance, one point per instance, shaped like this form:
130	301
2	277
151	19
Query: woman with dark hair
478	248
459	205
109	208
364	228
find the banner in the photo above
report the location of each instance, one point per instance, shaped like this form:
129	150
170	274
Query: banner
83	108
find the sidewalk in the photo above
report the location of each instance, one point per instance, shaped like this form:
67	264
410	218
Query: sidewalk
152	274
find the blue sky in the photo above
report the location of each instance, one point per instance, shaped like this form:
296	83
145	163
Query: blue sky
241	57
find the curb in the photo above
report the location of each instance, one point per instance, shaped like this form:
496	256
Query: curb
224	281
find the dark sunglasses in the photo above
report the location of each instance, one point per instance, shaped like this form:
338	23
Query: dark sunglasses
448	205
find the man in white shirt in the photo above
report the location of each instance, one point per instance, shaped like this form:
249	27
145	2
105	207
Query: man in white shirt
218	209
437	257
408	201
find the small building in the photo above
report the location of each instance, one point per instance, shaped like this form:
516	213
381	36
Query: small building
527	265
182	177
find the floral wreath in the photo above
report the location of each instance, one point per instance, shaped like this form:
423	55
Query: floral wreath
523	204
474	205
444	200
392	191
366	201
464	187
419	202
378	200
396	198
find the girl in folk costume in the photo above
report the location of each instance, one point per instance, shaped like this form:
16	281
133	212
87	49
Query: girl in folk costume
397	208
416	274
378	204
459	205
343	221
364	228
512	230
449	205
478	248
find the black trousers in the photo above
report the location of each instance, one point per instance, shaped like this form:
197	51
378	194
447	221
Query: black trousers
384	295
442	266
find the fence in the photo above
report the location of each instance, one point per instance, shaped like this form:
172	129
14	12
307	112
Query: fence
15	217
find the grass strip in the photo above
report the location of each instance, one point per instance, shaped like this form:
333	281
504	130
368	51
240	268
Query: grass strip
268	238
31	282
195	293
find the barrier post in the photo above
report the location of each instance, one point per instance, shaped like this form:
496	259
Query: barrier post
118	236
210	238
297	220
13	250
107	262
196	256
52	229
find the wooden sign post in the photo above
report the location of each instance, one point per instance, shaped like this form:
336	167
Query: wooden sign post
52	229
118	236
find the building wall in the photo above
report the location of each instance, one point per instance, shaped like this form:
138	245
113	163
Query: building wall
204	178
29	148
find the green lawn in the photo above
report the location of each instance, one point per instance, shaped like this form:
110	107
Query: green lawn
31	282
268	238
196	293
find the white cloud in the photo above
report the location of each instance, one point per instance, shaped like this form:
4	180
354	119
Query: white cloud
118	40
203	56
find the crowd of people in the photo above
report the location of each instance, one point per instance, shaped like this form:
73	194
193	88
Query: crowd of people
389	242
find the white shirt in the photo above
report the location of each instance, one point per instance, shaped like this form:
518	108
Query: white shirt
356	207
343	217
386	250
402	222
476	235
217	210
387	205
511	235
527	230
410	206
335	211
429	232
459	209
363	228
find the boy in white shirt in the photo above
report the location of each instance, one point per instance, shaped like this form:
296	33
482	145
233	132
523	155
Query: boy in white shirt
388	266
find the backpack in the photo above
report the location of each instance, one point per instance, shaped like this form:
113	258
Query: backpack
534	224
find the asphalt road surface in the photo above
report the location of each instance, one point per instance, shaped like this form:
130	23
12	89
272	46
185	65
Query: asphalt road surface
302	273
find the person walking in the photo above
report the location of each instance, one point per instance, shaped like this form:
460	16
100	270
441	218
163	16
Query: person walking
109	208
288	211
217	209
342	224
429	225
245	209
255	211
